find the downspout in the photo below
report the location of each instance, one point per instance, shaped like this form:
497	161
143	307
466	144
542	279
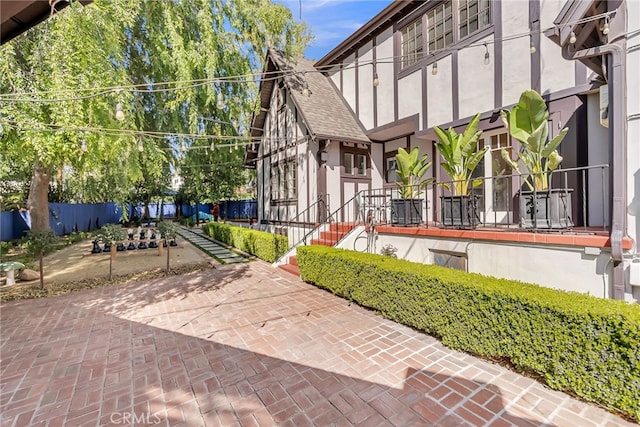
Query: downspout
618	135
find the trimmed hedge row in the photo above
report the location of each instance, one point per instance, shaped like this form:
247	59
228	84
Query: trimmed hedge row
266	246
577	343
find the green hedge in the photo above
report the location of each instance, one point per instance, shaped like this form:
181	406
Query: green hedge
577	343
266	246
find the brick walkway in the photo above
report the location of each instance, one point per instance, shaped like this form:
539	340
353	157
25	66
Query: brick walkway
249	345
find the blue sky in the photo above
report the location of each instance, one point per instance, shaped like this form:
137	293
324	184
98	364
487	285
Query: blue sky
332	21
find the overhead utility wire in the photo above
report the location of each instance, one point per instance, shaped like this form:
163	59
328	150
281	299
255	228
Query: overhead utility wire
270	75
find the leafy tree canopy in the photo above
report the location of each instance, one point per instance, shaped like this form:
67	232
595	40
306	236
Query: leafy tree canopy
59	81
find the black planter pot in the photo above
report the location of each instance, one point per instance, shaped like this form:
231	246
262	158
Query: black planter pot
460	211
96	247
107	247
406	211
549	209
120	247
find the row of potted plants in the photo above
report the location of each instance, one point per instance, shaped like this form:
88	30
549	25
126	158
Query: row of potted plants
460	154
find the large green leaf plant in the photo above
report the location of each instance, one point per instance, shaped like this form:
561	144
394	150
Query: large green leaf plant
461	155
528	123
411	170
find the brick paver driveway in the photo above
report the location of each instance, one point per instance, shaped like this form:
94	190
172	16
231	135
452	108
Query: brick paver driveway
249	345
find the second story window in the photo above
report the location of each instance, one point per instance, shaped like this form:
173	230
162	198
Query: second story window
440	27
474	15
445	24
412	45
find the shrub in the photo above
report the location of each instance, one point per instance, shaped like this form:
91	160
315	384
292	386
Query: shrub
266	246
576	343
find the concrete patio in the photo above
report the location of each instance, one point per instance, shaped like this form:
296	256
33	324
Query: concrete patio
249	345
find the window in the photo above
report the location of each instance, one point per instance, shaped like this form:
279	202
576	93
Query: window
501	172
283	180
474	15
348	163
440	27
291	180
392	165
361	162
446	24
412	45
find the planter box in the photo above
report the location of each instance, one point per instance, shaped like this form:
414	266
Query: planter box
547	209
460	211
406	211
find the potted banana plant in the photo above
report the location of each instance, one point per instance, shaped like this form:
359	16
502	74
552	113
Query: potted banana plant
407	209
540	205
460	156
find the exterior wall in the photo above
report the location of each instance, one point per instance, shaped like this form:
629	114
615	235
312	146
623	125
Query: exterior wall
566	268
440	95
410	95
598	154
476	79
377	166
556	72
334	168
349	81
365	86
385	93
633	140
516	75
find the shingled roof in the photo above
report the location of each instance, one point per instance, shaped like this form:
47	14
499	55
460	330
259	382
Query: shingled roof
325	112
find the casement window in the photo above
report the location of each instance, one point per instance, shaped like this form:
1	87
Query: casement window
361	165
473	16
440	27
348	163
283	180
444	25
392	166
412	43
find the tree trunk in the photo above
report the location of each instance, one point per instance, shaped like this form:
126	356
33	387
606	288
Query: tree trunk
38	200
41	270
168	254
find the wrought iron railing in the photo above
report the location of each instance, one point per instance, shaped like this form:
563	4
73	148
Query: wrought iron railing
497	202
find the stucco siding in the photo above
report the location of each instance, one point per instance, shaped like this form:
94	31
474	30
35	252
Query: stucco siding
333	173
384	68
365	85
349	82
410	95
476	79
566	268
556	73
377	166
633	125
335	76
440	99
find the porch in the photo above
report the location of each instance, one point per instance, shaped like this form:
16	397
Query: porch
495	235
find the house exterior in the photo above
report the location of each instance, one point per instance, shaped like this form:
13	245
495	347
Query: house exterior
331	129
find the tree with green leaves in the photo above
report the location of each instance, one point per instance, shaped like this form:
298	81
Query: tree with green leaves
62	82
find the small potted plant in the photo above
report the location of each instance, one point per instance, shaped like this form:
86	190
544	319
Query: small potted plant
460	156
110	234
407	209
168	231
540	206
